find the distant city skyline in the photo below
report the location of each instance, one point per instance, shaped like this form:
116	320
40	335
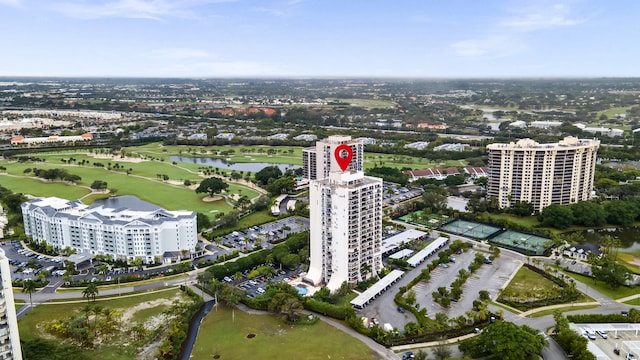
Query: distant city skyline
313	38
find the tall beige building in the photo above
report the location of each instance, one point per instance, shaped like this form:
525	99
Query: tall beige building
9	336
318	161
542	174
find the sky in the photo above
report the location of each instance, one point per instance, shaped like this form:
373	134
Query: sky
320	38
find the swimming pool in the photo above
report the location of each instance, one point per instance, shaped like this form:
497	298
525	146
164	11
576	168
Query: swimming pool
301	290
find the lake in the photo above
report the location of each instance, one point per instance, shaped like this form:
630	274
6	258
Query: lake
629	237
222	164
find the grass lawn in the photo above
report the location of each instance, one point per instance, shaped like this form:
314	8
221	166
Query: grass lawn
152	304
634	302
529	221
274	339
36	187
255	218
242	154
611	112
627	258
367	103
602	287
171	197
399	161
528	285
563	309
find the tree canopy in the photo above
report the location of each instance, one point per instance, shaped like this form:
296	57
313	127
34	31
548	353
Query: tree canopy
505	341
269	172
212	185
557	216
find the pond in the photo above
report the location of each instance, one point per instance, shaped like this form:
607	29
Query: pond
222	164
629	237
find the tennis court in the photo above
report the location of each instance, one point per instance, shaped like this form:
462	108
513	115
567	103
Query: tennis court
470	229
524	243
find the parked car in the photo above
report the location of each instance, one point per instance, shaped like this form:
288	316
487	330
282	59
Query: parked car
590	334
401	309
408	355
602	333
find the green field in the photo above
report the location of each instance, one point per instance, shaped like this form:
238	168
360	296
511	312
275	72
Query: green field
274	339
603	288
136	308
634	302
528	285
143	182
367	103
611	112
562	309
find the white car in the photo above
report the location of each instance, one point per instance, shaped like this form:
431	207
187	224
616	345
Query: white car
260	290
602	333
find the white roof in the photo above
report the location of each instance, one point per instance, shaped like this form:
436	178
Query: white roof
394	241
377	288
416	259
401	254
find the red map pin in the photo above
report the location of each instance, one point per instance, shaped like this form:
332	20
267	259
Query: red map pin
343	155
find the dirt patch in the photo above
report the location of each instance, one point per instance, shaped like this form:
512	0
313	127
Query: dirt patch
251	336
128	313
116	158
211	198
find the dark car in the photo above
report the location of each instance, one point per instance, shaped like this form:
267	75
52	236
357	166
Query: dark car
401	309
408	355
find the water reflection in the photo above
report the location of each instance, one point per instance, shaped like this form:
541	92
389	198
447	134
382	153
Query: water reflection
222	164
629	237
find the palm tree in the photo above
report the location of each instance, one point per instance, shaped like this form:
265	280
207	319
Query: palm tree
231	295
29	287
90	292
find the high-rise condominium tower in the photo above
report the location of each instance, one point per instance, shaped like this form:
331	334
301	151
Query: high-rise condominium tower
542	174
9	336
318	161
346	228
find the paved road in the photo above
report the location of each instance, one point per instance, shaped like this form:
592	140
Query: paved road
384	307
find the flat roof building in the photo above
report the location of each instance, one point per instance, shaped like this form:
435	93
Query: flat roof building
346	228
9	336
319	161
541	174
123	227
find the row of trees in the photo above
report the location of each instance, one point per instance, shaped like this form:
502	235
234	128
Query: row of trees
54	174
573	344
591	214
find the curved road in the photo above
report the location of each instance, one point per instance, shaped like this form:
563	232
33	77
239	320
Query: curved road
553	352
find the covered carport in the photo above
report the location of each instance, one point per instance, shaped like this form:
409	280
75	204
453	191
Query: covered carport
376	289
79	259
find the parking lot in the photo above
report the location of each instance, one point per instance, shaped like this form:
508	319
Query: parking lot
394	193
490	277
258	285
604	339
264	235
27	265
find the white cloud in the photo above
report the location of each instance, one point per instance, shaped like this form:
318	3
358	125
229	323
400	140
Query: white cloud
537	18
505	37
135	9
493	46
284	9
13	3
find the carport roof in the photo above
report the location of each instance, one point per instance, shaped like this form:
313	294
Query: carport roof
377	288
79	258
